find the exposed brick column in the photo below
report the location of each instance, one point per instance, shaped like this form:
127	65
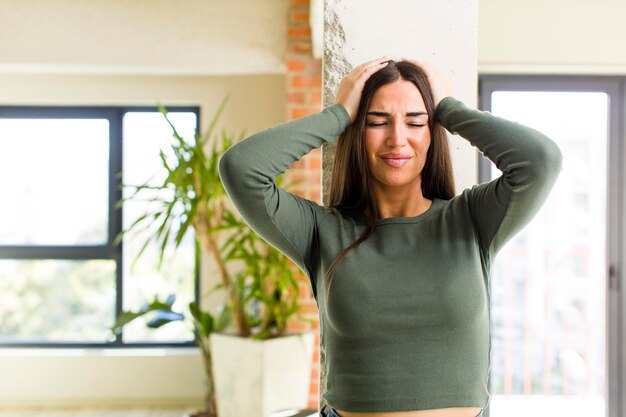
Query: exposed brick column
304	97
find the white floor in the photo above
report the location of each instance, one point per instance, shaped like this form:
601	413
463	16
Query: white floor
96	413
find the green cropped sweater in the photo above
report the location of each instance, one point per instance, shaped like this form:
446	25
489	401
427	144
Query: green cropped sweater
407	324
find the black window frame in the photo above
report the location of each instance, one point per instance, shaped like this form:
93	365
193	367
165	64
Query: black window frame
115	116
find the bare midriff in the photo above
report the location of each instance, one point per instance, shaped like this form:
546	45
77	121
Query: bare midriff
434	412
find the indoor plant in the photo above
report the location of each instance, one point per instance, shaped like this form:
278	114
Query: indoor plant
261	293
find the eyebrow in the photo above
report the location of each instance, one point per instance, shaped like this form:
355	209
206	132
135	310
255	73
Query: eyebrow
382	113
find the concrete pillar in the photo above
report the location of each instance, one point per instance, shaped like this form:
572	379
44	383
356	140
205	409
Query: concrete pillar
441	32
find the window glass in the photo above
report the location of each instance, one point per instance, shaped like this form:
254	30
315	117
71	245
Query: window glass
56	300
145	133
54	175
548	282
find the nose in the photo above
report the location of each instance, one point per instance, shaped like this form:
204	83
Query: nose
396	136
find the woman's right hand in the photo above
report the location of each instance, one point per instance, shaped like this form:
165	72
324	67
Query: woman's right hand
351	85
439	84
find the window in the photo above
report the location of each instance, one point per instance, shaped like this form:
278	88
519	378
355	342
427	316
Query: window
63	281
553	299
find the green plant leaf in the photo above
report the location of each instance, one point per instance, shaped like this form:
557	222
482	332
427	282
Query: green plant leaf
162	249
266	286
126	317
203	319
163	317
216	287
224	317
170	299
263	334
216	116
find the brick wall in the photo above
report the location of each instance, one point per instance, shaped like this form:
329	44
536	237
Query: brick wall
304	96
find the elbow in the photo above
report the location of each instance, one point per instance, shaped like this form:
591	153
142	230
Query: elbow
235	169
222	169
554	157
560	158
226	168
548	162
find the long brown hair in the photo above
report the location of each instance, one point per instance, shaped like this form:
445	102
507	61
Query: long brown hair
351	182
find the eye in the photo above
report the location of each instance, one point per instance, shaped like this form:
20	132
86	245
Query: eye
409	124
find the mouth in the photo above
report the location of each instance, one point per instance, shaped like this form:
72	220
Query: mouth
396	161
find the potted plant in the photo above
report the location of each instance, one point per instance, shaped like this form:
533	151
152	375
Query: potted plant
258	280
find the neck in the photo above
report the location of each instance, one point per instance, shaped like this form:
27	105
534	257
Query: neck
400	202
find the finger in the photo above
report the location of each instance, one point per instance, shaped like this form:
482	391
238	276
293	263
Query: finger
374	66
373	62
365	73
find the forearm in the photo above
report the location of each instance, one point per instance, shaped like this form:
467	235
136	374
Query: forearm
263	156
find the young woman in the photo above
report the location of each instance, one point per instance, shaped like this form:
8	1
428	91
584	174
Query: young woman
399	264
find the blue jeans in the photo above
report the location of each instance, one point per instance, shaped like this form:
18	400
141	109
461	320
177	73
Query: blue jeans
328	411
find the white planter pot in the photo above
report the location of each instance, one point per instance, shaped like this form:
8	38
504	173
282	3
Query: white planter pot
254	378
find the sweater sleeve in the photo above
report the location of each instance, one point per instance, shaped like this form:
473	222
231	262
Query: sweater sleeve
249	168
530	163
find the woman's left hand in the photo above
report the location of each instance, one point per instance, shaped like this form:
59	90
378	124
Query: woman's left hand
439	83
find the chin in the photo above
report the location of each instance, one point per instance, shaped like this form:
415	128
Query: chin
397	182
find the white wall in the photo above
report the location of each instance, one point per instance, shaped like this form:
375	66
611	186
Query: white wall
100	377
143	36
552	37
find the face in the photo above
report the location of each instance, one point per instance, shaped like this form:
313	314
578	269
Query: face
397	136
